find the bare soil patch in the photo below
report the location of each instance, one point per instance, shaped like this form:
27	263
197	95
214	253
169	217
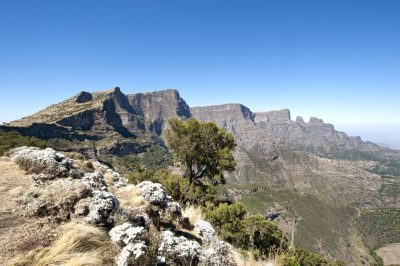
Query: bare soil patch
390	254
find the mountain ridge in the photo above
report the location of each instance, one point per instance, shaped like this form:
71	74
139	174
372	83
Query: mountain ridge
274	151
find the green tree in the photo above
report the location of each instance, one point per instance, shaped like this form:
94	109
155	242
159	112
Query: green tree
203	149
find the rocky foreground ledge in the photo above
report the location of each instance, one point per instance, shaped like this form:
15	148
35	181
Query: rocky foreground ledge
64	190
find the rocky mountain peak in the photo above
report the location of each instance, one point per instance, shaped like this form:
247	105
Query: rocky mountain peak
103	114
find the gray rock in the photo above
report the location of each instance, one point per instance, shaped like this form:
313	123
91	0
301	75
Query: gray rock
128	236
132	250
101	207
126	233
95	181
84	97
217	254
180	247
154	193
205	229
45	163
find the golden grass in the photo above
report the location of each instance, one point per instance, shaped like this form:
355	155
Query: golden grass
247	259
131	196
17	191
77	244
193	213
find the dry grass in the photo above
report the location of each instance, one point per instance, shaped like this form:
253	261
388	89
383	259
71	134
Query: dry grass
193	213
18	233
77	244
131	196
248	259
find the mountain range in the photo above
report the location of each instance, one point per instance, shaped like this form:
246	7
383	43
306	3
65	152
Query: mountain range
324	184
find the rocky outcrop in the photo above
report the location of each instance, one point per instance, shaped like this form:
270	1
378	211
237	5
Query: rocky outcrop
87	199
128	237
61	191
45	164
84	97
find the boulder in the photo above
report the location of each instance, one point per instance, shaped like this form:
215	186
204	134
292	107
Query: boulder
154	193
205	229
45	163
101	207
179	249
128	236
95	181
126	233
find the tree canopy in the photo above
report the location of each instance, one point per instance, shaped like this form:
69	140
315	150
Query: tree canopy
203	149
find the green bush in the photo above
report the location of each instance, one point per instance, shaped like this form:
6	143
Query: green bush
156	157
290	261
250	232
9	140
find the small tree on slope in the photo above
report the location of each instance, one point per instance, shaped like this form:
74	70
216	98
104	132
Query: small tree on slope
204	150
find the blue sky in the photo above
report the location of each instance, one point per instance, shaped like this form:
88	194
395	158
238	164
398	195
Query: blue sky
337	60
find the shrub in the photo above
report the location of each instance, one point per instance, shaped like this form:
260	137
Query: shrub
290	261
9	140
263	235
203	149
251	232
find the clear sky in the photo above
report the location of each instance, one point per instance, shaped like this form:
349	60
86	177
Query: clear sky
337	60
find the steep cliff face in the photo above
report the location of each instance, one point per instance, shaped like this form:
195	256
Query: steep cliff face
157	107
283	153
278	128
111	111
120	124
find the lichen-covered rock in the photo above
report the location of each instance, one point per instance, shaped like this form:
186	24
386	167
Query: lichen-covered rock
101	208
132	250
95	181
154	193
57	199
128	236
175	210
179	249
205	229
125	233
46	163
216	254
